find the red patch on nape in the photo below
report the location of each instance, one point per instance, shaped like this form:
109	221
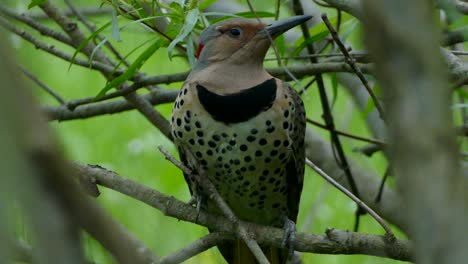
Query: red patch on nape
199	50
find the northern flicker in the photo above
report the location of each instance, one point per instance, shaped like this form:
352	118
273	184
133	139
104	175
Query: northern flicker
245	128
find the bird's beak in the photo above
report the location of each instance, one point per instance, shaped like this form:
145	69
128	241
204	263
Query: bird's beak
279	27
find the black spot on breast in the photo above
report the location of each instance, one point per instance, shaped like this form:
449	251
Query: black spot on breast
254	131
276	143
243	147
238	107
262	142
212	144
179	121
250	138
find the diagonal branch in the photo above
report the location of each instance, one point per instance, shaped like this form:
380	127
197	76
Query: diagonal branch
210	189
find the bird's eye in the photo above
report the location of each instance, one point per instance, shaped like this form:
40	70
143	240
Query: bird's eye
235	32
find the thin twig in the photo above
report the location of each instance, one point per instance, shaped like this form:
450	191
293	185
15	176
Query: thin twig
203	180
43	85
369	140
328	117
275	49
52	49
321	55
195	248
92	29
352	63
86	11
353	197
35	25
62	113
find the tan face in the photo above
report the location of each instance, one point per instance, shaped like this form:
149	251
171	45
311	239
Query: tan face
237	40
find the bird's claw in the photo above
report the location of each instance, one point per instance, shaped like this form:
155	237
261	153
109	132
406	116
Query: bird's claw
289	236
197	200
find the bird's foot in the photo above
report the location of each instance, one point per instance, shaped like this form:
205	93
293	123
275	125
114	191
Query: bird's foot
196	200
289	236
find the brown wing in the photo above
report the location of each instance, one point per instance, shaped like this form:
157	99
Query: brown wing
295	166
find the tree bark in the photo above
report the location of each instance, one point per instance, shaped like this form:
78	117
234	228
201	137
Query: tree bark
404	45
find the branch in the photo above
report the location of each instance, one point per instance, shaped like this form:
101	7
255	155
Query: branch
352	63
205	183
334	242
44	86
388	231
91	50
352	7
368	140
423	151
62	207
63	113
195	248
35	25
85	11
328	117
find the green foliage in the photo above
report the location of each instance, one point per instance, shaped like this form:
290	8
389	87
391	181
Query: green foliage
36	3
126	143
134	67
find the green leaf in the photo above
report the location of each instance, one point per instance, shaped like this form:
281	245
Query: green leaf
128	54
115	26
369	107
136	65
189	23
204	4
86	41
280	45
462	93
36	3
314	38
191	51
370	103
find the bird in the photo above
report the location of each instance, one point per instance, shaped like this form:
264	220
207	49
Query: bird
245	129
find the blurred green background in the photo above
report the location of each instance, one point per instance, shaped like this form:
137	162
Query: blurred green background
127	144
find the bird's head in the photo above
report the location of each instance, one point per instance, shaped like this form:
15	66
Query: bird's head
241	41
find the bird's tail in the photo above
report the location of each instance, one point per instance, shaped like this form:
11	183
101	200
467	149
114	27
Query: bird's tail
241	254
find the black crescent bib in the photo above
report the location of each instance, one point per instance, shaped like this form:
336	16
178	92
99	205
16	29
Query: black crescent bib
238	107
